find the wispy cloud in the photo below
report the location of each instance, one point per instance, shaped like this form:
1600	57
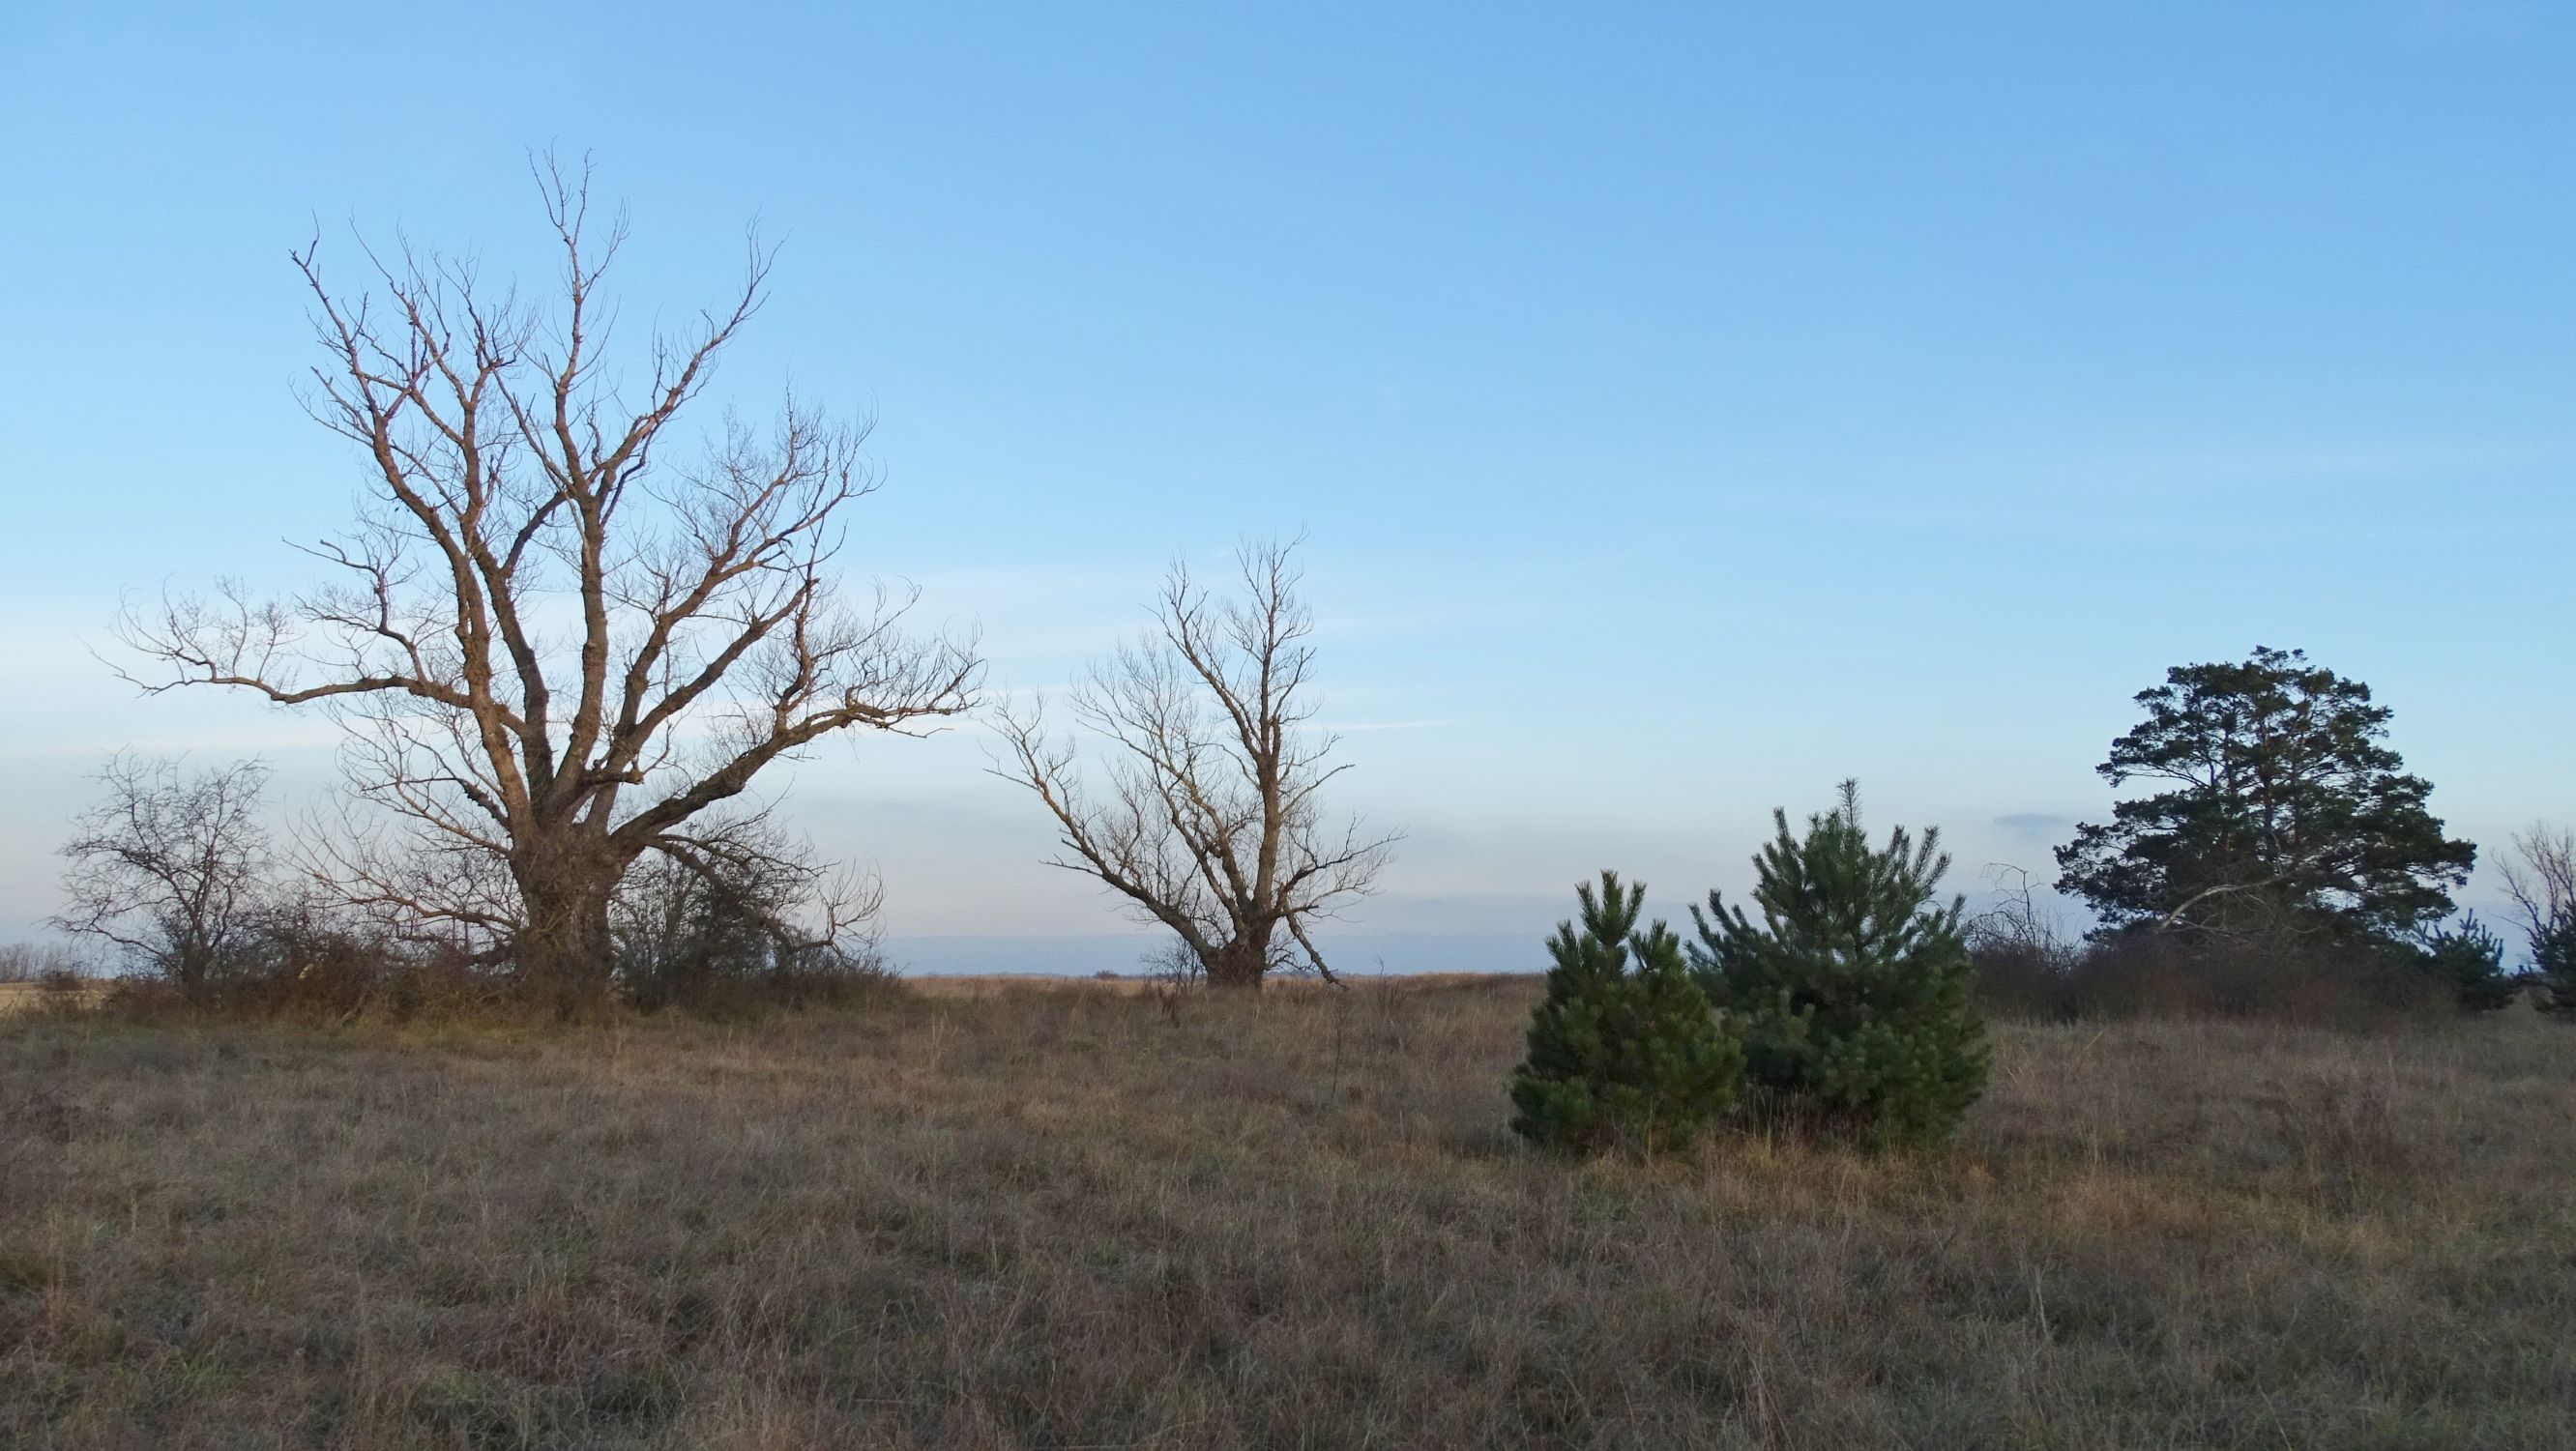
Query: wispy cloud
2034	825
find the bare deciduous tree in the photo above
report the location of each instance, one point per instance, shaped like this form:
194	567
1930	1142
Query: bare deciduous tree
2543	885
170	865
555	644
2543	882
1213	827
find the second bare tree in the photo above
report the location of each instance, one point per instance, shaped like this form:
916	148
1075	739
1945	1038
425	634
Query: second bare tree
1212	824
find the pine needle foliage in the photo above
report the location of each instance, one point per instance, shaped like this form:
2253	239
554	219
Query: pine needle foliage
2469	959
1624	1052
2553	965
1855	990
2286	812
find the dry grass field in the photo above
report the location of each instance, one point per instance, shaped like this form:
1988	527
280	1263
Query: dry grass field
28	997
1067	1218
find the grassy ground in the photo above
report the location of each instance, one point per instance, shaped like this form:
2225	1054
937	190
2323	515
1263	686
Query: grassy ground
28	997
1064	1219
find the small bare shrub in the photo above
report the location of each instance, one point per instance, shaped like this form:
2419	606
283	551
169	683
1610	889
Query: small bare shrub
736	933
2025	960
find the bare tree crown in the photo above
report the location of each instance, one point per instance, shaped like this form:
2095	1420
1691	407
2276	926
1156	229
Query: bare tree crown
1212	823
557	625
169	864
2543	882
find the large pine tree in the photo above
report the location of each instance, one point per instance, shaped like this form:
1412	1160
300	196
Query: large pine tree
2286	812
1855	990
1621	1056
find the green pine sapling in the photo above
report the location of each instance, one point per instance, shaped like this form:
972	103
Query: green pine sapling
1622	1056
1854	991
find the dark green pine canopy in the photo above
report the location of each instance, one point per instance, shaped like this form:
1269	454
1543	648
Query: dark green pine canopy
2286	809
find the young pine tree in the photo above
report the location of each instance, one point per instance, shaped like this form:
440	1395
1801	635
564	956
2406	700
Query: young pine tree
1621	1056
1855	990
2553	964
2469	959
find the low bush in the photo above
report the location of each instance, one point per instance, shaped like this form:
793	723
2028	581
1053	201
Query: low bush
303	967
719	944
302	970
2309	983
2015	980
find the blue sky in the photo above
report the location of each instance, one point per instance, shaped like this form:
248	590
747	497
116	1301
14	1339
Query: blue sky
1688	405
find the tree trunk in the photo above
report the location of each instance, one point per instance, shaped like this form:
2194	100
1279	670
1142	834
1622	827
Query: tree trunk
1240	963
563	950
189	965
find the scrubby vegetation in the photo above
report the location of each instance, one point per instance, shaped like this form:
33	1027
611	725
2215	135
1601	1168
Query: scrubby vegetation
172	874
2310	984
2288	869
2469	959
2553	956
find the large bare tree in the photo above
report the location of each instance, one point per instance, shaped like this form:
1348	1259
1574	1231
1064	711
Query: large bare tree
562	630
1212	825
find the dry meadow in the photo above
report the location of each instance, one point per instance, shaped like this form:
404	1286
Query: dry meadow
1063	1218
